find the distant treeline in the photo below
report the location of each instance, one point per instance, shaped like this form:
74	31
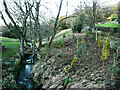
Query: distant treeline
5	32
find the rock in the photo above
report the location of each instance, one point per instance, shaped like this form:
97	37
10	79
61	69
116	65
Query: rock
74	76
47	84
17	59
98	75
97	86
36	75
60	87
62	74
93	82
46	74
102	85
91	85
55	79
60	82
77	85
53	60
54	86
34	68
97	79
85	81
38	56
92	75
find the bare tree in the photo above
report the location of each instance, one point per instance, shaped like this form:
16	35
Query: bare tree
19	31
55	30
119	12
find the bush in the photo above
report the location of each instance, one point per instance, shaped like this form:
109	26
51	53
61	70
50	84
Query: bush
64	25
114	18
8	34
77	27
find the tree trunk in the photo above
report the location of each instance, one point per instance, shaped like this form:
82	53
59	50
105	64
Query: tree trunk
22	49
31	45
34	45
40	42
119	12
55	30
48	38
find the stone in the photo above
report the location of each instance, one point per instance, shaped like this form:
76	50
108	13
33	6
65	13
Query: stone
46	74
98	75
74	76
36	75
85	81
38	56
59	87
62	74
102	85
17	59
90	85
97	79
77	85
54	86
55	79
92	74
53	60
34	67
47	85
60	82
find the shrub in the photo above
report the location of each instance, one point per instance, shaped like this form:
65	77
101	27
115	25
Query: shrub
78	24
99	39
77	27
111	17
64	25
105	51
67	80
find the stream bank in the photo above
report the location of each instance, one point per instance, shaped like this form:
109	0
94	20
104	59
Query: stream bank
87	73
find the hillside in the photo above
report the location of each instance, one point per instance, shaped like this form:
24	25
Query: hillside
64	70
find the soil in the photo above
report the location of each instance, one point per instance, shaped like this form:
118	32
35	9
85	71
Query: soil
89	61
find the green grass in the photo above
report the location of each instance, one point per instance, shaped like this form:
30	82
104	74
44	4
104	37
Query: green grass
65	33
55	44
58	43
109	25
10	52
11	44
8	39
11	47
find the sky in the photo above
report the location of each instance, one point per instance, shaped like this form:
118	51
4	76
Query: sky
53	6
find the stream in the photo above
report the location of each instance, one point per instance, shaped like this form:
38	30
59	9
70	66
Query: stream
24	79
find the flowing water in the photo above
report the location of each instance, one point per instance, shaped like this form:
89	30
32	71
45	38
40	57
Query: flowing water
24	79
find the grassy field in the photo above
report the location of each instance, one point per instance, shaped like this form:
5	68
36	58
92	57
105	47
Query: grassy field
109	25
11	47
8	39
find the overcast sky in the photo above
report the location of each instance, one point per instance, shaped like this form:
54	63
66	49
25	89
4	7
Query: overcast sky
54	4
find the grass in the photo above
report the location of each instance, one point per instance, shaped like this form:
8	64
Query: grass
12	44
9	52
7	39
65	33
56	44
61	33
109	25
11	47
